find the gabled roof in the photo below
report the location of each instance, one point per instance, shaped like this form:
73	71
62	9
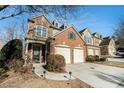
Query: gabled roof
98	35
82	30
40	16
66	30
85	29
94	33
105	41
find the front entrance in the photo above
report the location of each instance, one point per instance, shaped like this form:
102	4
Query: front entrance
38	53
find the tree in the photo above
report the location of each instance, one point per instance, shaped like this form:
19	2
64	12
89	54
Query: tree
62	11
119	35
9	33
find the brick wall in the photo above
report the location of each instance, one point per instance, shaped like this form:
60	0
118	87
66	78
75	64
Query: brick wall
63	39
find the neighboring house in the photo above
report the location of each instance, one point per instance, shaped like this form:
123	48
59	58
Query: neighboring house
92	41
44	38
107	47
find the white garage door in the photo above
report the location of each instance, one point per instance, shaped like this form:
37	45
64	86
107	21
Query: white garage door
78	55
97	52
90	52
65	52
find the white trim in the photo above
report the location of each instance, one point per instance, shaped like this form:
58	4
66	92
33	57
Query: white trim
66	46
42	27
35	41
78	48
77	58
65	52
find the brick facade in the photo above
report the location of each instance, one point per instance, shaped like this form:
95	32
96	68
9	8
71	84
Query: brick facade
51	41
62	38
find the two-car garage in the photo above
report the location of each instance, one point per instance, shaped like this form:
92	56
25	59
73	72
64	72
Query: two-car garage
70	44
75	55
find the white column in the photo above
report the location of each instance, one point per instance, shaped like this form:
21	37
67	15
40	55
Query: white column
45	52
31	53
41	58
26	52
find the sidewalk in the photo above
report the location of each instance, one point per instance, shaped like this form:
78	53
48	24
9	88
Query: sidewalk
50	75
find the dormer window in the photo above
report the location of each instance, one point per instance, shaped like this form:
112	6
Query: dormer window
56	24
65	27
41	31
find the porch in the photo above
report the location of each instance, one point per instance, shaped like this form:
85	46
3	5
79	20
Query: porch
36	51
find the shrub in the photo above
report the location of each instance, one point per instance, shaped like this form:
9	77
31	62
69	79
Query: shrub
90	58
55	63
103	59
96	58
17	64
2	71
12	50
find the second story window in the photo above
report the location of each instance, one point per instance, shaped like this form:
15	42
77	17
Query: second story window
88	39
41	31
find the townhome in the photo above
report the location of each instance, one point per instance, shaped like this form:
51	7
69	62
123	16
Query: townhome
45	38
107	47
92	41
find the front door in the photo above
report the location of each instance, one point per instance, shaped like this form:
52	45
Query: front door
36	53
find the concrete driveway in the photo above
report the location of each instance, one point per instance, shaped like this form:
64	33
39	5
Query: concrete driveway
119	59
99	76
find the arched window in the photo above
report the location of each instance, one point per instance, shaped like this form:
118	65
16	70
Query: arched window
40	31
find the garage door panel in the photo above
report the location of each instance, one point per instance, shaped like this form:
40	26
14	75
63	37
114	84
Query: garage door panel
78	55
90	52
97	52
64	52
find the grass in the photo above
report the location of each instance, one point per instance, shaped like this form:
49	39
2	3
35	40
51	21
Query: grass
30	80
115	64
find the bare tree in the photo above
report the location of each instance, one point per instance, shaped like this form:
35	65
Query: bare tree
62	11
119	35
9	33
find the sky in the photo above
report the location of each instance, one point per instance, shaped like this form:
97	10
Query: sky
101	19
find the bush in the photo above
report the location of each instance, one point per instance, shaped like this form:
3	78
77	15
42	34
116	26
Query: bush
103	59
55	63
17	64
12	50
90	58
2	71
96	58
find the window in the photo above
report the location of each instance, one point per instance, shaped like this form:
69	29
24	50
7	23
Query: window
38	29
88	39
56	24
72	36
41	31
